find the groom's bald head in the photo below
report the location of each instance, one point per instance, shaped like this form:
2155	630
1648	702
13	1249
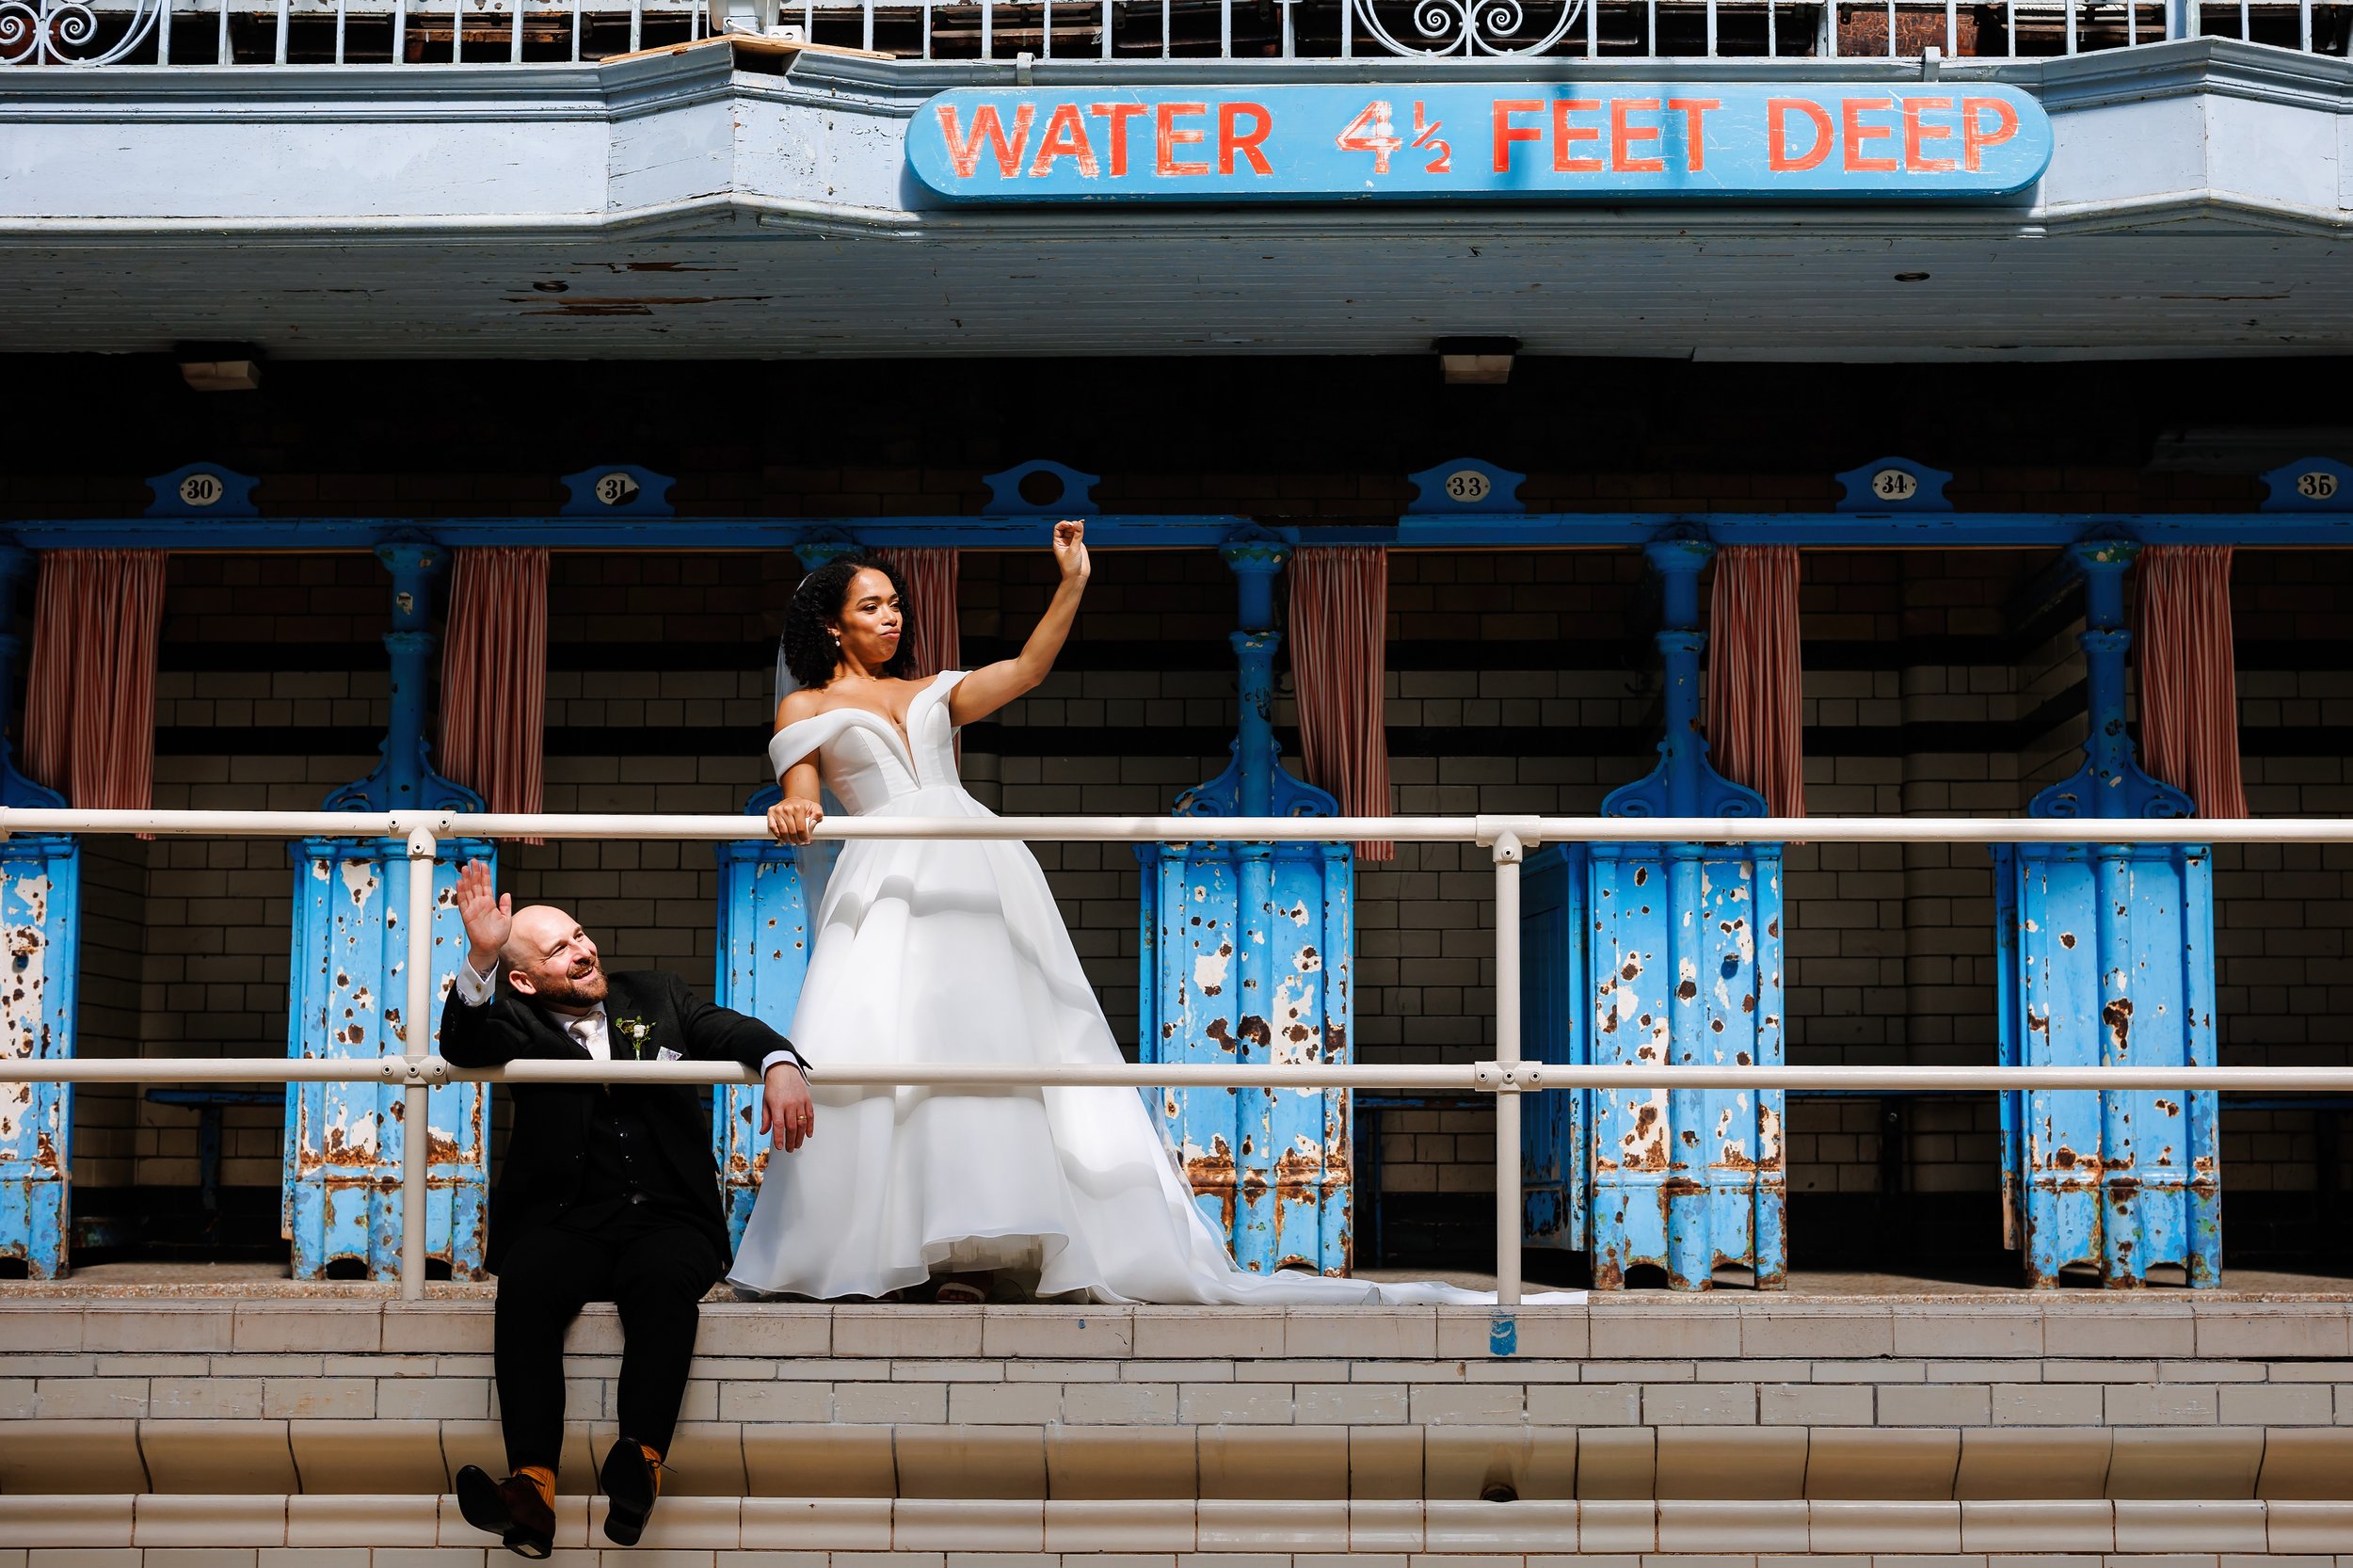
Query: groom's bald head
549	958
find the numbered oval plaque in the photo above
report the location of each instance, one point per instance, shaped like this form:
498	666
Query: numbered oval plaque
615	488
2316	484
202	490
1894	484
1467	486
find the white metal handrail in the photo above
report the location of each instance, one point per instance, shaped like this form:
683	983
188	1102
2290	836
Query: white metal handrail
1489	1077
1528	831
1507	1076
514	32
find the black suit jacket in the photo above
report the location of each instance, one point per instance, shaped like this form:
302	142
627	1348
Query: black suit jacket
541	1174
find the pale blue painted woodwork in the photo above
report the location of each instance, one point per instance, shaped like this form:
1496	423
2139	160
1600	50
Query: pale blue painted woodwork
2169	173
2107	956
1246	957
39	921
764	932
1676	950
345	1144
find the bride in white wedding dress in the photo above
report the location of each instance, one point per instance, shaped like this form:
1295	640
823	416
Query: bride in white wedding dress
934	951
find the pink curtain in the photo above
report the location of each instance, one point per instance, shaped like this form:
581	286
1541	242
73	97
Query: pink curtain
2189	689
494	677
929	577
90	701
1340	646
1753	731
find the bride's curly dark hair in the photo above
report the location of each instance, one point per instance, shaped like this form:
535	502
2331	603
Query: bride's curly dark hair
809	650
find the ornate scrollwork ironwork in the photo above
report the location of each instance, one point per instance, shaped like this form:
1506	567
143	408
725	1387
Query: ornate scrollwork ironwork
1467	28
68	32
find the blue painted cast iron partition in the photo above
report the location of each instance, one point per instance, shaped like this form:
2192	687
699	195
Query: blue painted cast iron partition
2107	956
1245	956
1667	955
768	898
346	1142
41	888
767	910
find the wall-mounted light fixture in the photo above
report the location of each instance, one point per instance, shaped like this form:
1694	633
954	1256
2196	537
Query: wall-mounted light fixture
1476	361
219	366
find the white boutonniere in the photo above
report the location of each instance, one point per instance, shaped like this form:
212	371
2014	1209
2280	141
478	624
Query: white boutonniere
639	1031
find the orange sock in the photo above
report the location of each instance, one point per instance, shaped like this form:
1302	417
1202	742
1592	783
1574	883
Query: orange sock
653	1462
542	1478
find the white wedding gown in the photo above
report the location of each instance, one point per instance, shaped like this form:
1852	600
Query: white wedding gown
933	950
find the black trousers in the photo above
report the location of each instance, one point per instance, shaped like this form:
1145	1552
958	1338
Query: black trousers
653	1266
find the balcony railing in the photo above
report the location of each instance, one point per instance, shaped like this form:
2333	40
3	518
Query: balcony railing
488	32
1507	1076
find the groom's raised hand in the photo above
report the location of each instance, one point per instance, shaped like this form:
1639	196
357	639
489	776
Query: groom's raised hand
488	916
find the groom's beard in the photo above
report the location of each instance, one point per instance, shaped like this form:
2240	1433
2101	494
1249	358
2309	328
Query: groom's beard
583	991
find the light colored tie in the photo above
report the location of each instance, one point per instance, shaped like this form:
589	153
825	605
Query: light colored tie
583	1030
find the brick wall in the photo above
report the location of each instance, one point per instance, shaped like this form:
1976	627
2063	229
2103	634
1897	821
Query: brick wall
1934	684
1889	948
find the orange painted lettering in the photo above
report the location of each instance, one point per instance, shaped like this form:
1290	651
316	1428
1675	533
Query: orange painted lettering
1916	161
1975	138
1777	155
1066	138
964	153
1856	133
1563	133
1694	112
1623	137
1230	140
1507	133
1115	132
1170	139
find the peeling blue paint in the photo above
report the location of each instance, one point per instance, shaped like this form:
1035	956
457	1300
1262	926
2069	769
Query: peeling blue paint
766	906
345	1144
1659	954
39	921
1246	958
2107	957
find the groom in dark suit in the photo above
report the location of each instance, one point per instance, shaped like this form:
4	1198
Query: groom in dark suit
607	1194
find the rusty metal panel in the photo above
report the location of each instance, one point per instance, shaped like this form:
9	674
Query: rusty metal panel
765	906
2112	954
1685	968
344	1143
1246	958
39	918
2108	958
1680	965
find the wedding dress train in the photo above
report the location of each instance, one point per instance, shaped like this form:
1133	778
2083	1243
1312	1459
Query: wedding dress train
955	951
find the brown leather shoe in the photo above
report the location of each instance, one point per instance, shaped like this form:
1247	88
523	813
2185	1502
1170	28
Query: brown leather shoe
630	1490
512	1510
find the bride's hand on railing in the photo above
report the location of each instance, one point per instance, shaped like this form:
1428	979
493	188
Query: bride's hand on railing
792	821
1070	549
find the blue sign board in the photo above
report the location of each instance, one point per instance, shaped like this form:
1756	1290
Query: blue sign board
1543	141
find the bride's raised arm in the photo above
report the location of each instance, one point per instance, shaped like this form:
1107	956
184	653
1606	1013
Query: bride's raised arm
989	688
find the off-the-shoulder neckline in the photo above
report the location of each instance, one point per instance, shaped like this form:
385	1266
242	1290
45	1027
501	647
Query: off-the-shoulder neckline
896	732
